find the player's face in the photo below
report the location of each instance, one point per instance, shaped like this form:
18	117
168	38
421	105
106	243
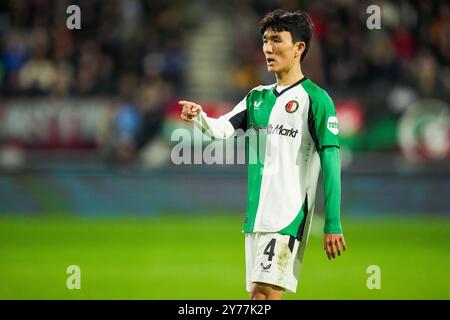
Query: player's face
279	51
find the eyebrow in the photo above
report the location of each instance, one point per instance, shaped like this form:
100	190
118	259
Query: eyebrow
276	35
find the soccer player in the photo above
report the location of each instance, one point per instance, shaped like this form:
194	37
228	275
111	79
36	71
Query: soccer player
296	121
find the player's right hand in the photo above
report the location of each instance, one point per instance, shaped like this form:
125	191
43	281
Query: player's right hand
190	110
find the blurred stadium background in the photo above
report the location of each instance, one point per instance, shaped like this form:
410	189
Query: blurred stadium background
87	116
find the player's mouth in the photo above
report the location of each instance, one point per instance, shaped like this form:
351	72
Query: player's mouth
270	61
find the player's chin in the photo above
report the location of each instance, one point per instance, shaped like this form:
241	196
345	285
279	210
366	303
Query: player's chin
271	68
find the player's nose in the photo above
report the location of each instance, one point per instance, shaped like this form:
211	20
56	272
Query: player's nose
267	48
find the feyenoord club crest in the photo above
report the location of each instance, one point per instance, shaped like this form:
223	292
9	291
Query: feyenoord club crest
291	106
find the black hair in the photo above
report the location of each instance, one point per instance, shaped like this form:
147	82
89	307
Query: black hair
298	23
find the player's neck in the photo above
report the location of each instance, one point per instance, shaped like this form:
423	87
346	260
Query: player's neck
289	77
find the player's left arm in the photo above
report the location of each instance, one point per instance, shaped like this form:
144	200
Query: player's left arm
333	241
325	133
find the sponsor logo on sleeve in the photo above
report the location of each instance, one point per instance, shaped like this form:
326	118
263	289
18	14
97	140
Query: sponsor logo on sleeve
332	125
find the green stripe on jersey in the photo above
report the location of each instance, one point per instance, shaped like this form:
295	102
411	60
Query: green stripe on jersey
259	105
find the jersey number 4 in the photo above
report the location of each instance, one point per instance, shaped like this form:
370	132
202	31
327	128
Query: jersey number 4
270	249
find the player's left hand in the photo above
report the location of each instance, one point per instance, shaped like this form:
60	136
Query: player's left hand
332	243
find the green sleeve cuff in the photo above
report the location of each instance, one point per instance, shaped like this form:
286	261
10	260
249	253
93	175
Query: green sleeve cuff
331	170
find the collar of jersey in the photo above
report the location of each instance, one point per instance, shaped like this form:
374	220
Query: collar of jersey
277	94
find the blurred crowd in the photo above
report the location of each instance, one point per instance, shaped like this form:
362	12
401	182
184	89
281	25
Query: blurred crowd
128	50
40	55
146	38
134	51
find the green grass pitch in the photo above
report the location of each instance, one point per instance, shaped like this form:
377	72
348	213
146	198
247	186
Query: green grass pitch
198	257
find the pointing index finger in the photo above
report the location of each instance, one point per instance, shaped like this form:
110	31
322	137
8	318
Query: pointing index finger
185	103
191	105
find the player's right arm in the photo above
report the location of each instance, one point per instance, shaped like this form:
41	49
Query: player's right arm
220	128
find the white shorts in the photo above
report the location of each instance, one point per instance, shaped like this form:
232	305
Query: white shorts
274	258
